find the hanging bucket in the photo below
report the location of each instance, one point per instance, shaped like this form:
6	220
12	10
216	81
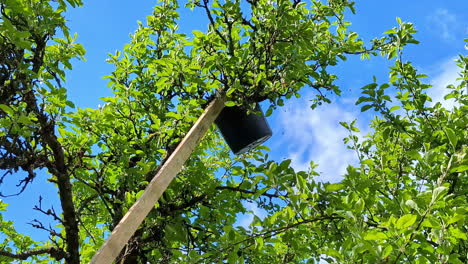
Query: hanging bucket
243	131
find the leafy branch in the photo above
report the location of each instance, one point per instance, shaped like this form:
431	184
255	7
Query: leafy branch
270	233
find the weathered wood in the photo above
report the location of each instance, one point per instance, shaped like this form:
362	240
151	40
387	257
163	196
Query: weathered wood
138	212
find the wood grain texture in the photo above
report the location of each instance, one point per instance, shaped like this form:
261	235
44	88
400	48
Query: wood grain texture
138	212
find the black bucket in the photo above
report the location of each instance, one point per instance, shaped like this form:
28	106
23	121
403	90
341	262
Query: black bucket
243	131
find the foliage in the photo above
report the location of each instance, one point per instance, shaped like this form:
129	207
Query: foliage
406	201
32	103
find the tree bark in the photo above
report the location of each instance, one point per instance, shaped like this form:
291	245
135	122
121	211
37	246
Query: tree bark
59	168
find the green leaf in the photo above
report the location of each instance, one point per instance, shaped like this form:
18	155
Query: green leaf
458	233
138	194
456	218
232	257
229	103
25	120
375	235
430	221
230	91
460	168
452	137
355	129
363	99
411	204
109	99
259	241
365	108
334	187
174	115
6	109
359	206
392	54
198	34
450	96
344	124
3	206
396	107
70	104
269	111
437	193
280	102
284	164
413	154
406	221
387	250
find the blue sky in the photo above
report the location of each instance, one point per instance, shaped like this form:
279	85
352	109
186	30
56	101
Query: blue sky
299	133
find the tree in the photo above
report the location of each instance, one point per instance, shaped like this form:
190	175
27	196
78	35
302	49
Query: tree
405	203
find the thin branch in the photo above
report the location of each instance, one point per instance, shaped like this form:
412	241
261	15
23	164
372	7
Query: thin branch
50	211
237	189
56	253
90	235
212	22
37	224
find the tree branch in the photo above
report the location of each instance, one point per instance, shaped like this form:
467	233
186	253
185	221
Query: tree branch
237	189
59	168
56	253
212	22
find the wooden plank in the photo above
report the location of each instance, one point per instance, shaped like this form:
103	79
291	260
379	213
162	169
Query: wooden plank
138	212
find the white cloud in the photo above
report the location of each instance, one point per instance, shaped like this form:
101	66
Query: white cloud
246	219
316	135
444	23
444	75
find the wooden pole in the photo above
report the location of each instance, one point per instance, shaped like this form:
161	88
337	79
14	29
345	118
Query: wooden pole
140	209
